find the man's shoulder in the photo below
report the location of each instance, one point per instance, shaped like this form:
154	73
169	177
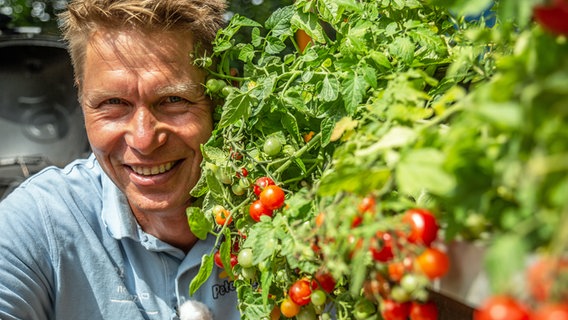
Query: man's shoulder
77	184
81	174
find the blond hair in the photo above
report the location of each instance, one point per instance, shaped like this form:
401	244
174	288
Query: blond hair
84	17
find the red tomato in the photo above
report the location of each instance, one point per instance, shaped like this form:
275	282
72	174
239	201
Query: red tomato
300	292
433	262
381	247
542	277
501	308
262	183
553	17
367	204
551	311
423	311
423	226
392	310
324	280
257	209
272	197
219	263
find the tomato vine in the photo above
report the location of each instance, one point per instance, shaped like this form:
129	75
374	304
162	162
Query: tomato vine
402	126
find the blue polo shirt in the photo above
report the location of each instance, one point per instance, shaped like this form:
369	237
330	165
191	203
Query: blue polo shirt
71	249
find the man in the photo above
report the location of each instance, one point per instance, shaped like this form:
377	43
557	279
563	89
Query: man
107	237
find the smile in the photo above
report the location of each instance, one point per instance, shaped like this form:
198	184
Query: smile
154	170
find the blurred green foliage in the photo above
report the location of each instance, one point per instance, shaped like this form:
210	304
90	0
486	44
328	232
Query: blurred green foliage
42	13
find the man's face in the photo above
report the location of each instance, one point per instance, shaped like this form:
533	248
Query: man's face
146	115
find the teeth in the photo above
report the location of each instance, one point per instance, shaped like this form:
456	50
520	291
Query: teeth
148	171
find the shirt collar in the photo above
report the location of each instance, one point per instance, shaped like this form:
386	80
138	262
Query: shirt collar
120	222
116	213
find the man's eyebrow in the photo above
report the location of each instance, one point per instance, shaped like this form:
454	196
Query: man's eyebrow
178	88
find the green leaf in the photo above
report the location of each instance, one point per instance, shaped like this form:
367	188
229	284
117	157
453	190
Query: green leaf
246	54
403	48
203	274
422	170
279	21
330	88
274	45
359	180
198	223
225	253
309	22
396	137
236	107
354	87
262	238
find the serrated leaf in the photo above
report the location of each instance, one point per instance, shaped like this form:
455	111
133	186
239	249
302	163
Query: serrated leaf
309	22
330	88
279	21
198	223
274	45
246	54
403	48
203	274
353	91
236	107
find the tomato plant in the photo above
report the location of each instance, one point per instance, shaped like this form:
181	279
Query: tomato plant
400	127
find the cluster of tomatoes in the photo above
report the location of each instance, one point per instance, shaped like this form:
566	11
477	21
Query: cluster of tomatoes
406	261
547	295
406	258
270	197
307	297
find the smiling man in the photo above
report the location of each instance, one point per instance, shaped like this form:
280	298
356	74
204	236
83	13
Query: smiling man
107	237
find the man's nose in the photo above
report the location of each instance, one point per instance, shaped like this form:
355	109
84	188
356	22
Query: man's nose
144	133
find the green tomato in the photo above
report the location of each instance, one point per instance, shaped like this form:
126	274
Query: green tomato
318	297
306	313
272	146
364	309
224	176
226	91
245	258
215	85
238	189
248	273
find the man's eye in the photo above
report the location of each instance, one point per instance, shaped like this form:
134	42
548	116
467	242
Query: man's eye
173	99
113	101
